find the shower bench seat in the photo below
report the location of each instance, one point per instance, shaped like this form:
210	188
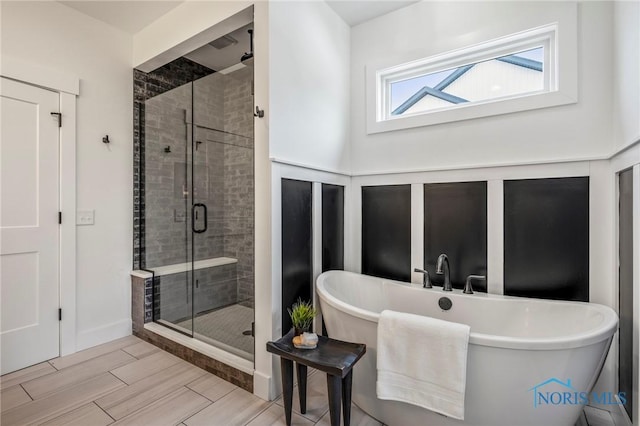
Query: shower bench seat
333	357
197	264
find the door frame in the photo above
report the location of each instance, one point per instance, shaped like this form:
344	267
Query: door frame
68	87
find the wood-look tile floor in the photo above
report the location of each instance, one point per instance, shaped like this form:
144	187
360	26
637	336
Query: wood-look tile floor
131	382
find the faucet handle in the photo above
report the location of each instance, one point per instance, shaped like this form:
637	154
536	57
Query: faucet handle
426	280
467	285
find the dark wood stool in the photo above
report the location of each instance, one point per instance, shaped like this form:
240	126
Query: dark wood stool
334	357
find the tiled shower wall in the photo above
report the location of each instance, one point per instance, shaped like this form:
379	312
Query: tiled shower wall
216	287
223	180
238	180
168	174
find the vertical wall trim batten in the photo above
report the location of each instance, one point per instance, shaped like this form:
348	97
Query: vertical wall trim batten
603	256
603	208
276	249
348	225
316	249
636	285
417	231
495	236
356	234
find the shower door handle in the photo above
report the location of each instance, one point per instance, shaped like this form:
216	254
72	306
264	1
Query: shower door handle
194	217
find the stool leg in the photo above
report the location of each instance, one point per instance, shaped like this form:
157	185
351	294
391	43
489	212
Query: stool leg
302	386
334	386
287	387
346	398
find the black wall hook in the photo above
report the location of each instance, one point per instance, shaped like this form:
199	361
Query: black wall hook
259	113
105	139
167	149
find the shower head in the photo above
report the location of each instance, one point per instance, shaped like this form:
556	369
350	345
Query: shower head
248	55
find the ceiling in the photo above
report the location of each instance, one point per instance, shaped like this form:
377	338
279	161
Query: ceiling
359	11
129	16
219	59
132	16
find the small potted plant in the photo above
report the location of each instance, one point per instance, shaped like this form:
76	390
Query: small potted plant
302	314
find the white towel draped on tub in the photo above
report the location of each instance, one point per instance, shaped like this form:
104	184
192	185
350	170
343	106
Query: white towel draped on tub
422	361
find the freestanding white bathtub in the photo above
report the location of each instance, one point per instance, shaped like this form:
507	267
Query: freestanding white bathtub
515	345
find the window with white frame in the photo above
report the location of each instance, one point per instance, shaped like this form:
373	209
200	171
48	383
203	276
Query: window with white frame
504	75
516	74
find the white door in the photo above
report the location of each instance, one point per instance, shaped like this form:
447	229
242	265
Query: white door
29	230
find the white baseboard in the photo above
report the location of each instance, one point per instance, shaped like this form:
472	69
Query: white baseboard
99	335
263	386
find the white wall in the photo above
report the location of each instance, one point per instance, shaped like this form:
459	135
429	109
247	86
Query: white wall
577	131
53	36
265	364
626	85
309	84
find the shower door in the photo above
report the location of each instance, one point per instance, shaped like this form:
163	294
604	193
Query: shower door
167	204
199	209
222	211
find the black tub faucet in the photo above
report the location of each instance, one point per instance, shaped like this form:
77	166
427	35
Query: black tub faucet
468	289
426	280
443	263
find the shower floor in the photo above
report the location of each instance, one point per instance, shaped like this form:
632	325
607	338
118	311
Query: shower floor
224	328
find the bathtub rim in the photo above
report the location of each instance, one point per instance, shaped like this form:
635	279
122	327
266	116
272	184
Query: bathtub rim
605	330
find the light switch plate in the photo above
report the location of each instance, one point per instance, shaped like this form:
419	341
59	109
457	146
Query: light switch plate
85	217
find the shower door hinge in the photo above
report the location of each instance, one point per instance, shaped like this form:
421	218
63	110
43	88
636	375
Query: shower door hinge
59	114
60	314
59	218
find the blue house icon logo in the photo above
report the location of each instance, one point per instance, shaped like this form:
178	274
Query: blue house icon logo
569	393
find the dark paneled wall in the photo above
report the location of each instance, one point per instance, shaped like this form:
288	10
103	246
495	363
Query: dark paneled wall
546	238
455	223
386	231
332	227
297	267
332	230
625	355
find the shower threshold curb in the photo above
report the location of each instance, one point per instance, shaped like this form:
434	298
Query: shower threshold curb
222	365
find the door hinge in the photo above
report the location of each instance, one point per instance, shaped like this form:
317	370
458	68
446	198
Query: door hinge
253	329
60	218
60	314
59	115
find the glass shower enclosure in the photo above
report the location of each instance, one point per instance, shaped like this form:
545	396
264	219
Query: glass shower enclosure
199	208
